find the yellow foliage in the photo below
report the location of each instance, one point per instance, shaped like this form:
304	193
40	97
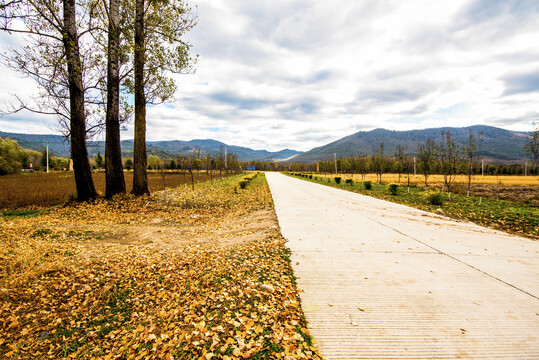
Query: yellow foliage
149	278
439	179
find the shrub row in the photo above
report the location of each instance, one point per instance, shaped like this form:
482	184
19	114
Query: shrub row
393	188
306	176
246	179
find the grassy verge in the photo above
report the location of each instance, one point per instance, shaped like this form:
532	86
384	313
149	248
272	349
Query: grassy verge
22	213
87	281
517	218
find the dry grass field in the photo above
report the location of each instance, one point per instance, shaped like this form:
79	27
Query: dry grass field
523	189
37	190
439	179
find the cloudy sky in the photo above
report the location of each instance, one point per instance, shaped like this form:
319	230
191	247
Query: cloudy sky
301	73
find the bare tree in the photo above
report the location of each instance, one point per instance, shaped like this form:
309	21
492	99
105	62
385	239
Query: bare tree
53	60
114	175
449	155
140	178
44	60
532	146
79	152
426	153
400	164
158	51
379	161
471	156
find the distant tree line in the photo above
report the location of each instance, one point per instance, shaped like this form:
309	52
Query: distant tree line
14	158
444	157
222	162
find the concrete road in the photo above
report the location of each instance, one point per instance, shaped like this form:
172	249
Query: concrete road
385	281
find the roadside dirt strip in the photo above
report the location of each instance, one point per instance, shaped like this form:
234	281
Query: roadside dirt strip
385	281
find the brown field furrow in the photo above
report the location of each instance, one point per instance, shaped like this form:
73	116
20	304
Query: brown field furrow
38	190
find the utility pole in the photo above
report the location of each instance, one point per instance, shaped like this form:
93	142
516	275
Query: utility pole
414	168
526	169
482	167
335	157
47	158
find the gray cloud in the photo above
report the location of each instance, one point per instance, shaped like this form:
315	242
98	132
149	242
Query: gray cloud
487	23
393	95
307	72
314	135
528	118
521	83
312	79
240	102
481	11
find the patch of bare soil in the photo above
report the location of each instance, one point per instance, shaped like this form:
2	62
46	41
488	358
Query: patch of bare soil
165	234
516	193
527	194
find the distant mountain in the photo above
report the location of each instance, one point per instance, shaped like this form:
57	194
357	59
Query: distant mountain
498	144
58	146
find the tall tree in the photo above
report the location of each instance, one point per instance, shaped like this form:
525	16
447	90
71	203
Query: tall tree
53	60
79	152
114	175
532	146
140	178
158	51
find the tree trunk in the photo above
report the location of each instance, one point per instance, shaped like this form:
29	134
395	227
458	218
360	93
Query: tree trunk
469	180
114	174
140	178
192	183
79	152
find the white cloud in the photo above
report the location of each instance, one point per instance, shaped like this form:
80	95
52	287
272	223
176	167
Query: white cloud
301	73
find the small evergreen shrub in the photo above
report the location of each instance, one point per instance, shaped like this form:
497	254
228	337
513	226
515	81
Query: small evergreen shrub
367	184
349	182
243	183
435	199
393	189
337	179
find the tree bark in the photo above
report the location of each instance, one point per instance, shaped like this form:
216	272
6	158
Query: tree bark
79	152
140	178
114	175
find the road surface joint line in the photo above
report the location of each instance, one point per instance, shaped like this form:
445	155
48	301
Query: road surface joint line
454	258
345	204
401	310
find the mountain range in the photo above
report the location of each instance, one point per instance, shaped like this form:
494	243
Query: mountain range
58	146
498	145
